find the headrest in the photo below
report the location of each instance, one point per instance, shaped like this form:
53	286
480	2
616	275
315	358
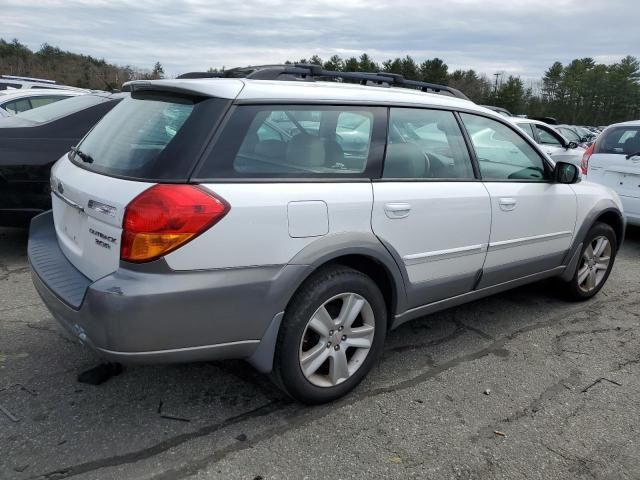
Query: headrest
306	150
404	160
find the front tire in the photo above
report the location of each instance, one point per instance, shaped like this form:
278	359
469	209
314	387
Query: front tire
594	266
332	333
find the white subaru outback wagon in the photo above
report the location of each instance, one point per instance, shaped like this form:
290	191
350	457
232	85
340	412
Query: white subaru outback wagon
292	223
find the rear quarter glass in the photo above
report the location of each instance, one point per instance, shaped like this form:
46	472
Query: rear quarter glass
152	136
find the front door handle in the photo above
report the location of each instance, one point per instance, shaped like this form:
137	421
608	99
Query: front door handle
397	210
507	204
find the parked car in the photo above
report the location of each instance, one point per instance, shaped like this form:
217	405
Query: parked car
31	141
502	111
178	233
614	160
13	82
16	101
572	133
551	141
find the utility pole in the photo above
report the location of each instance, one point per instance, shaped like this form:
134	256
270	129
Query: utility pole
497	75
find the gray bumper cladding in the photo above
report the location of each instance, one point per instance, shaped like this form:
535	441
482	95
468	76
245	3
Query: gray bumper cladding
134	316
48	261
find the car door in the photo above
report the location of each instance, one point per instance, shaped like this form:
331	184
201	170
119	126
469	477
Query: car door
429	209
533	218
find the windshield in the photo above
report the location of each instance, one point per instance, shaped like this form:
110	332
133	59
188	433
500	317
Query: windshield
62	108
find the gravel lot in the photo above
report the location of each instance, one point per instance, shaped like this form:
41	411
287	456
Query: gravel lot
520	385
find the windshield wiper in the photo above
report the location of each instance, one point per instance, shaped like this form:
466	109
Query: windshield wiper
631	155
83	156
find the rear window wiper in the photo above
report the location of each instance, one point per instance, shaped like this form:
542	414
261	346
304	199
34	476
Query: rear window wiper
631	155
86	158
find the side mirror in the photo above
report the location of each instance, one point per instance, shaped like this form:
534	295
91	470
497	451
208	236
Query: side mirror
566	173
572	145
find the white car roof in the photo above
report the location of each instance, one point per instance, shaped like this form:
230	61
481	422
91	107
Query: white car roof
277	90
529	120
631	123
32	92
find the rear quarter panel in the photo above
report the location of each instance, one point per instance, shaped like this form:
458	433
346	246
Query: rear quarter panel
258	229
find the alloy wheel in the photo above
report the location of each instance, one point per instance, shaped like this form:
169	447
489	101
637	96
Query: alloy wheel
594	265
337	340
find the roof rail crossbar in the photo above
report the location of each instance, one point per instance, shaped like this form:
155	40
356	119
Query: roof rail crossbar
201	75
310	72
365	78
27	79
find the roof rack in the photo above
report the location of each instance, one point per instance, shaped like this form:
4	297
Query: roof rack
27	79
309	72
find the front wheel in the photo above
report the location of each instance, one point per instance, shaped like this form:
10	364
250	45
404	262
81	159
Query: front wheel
332	333
595	264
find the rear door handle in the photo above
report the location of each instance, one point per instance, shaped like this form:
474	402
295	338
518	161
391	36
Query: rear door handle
397	210
507	204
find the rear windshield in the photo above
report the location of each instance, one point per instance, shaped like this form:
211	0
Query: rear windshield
150	136
62	108
619	140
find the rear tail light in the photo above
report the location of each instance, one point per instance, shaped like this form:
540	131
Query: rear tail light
584	163
165	217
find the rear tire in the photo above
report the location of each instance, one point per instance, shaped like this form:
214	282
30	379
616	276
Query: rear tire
332	333
594	266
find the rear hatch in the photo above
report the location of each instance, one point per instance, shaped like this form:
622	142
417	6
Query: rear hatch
152	137
609	164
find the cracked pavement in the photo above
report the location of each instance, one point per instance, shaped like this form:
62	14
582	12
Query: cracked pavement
519	385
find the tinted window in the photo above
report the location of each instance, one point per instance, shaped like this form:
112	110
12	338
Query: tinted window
296	141
42	101
570	134
527	128
425	144
17	106
151	136
620	140
547	138
62	108
502	153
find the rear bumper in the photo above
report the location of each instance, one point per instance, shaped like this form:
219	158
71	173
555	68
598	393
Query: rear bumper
159	315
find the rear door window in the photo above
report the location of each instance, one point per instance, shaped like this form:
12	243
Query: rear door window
426	144
527	128
297	141
62	108
42	101
548	138
151	136
17	106
619	140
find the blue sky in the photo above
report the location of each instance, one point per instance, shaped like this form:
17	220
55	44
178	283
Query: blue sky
521	37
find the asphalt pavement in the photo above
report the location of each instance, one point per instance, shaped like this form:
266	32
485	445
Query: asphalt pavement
519	385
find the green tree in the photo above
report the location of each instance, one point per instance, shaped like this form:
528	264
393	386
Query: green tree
335	63
434	71
351	65
158	71
367	65
511	95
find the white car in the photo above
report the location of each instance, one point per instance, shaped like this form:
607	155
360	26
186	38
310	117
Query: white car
13	82
614	160
551	141
186	228
17	101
